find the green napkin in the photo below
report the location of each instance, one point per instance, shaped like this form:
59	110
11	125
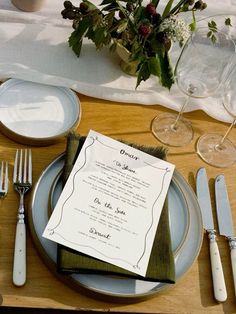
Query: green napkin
161	265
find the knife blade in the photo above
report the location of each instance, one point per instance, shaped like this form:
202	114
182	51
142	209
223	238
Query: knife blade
204	199
225	221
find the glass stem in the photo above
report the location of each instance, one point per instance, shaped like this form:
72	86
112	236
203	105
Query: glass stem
227	133
175	124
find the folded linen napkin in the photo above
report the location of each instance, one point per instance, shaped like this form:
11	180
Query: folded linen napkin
161	265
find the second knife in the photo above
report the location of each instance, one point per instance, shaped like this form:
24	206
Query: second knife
204	200
225	220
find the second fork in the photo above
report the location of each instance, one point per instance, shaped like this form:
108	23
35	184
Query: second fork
22	180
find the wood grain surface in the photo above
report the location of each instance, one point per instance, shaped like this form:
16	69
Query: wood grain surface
192	294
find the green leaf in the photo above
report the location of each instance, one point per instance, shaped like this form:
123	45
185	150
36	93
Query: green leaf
193	25
154	66
143	73
104	2
121	26
209	34
109	19
185	7
75	43
137	54
157	47
76	37
99	37
167	8
212	26
228	21
177	7
166	73
213	38
140	14
96	21
155	2
91	6
110	7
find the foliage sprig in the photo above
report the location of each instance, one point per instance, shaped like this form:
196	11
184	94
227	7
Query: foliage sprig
141	28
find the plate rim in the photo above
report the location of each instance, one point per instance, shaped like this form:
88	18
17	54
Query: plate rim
47	140
72	282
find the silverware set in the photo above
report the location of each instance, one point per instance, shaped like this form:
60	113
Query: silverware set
22	182
226	229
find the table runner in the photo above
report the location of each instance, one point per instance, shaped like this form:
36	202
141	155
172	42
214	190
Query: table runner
33	46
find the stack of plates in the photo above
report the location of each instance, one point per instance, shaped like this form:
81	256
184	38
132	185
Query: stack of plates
186	233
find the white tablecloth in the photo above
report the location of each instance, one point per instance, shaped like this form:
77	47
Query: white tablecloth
34	46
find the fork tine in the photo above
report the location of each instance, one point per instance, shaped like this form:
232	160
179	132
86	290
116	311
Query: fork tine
15	167
6	177
20	168
30	167
1	177
25	167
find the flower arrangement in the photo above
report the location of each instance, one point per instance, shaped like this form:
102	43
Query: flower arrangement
141	28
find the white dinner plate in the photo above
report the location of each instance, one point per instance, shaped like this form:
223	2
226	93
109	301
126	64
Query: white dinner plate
37	114
186	232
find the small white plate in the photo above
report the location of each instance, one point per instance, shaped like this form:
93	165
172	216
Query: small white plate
37	114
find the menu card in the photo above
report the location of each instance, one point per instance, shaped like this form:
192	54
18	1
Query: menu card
111	203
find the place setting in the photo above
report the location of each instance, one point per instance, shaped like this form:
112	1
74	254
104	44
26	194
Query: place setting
185	235
177	236
111	214
96	274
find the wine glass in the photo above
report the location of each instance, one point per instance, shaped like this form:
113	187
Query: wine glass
216	149
198	73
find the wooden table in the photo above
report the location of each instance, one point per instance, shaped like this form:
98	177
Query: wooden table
192	294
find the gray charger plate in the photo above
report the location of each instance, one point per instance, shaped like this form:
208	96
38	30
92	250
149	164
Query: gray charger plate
186	232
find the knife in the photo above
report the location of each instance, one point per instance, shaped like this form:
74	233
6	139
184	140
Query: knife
204	200
225	220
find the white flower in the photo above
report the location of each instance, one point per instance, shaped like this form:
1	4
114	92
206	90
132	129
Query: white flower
176	28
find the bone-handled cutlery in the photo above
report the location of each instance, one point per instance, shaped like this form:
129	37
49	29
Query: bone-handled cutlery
22	180
225	221
204	199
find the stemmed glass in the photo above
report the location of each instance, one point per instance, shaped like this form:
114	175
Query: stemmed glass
198	73
216	149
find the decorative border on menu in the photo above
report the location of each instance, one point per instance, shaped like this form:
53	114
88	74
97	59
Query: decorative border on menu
52	230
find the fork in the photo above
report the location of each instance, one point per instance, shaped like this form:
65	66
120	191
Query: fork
3	179
22	180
